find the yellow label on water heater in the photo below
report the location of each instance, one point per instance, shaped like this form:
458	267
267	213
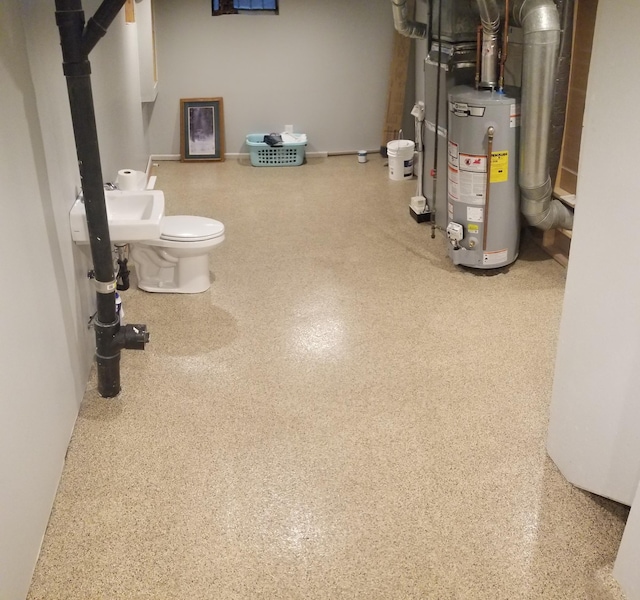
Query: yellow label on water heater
499	167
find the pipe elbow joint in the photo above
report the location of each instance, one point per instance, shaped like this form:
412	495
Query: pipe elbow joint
404	26
543	212
536	16
554	216
132	337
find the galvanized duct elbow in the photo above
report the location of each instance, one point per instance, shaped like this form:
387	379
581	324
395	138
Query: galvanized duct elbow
541	28
402	23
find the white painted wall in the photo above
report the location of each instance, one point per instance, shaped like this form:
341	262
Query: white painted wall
594	433
47	350
321	66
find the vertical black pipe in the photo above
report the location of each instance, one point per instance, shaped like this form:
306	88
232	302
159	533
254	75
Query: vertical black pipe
77	71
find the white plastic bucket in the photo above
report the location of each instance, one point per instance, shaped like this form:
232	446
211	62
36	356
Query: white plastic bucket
400	154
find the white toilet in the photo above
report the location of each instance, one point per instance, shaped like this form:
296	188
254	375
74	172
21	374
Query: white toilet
178	261
171	254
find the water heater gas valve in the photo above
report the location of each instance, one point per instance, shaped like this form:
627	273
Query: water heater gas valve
455	233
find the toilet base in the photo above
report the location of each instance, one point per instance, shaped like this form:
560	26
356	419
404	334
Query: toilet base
170	275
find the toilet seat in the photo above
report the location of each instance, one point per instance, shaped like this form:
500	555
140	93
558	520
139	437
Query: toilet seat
183	228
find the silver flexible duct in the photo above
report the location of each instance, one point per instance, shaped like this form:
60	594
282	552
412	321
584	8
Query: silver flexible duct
402	23
541	28
490	19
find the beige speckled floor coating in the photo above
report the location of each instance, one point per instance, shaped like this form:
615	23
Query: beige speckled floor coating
344	414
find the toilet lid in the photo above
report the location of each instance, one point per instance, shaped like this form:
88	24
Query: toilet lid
190	229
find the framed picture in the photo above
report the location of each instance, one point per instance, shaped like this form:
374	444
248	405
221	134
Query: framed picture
201	129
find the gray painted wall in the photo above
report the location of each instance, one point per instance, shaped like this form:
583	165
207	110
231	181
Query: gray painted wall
47	350
320	65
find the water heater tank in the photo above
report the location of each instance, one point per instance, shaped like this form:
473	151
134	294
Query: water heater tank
483	198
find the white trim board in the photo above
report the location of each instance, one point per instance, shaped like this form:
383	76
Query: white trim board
233	155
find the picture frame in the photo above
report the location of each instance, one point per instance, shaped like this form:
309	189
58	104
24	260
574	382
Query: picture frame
201	129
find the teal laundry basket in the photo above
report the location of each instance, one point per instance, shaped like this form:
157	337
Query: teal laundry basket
290	154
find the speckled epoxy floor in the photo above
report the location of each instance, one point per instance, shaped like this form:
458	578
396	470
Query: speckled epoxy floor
344	414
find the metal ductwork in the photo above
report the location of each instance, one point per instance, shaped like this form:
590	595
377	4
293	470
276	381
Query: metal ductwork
540	23
402	23
490	19
541	29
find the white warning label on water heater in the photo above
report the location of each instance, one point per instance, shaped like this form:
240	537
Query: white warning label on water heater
477	163
494	258
472	178
472	187
453	179
514	116
475	214
454	159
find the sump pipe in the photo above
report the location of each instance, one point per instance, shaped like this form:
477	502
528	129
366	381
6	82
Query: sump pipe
541	29
111	338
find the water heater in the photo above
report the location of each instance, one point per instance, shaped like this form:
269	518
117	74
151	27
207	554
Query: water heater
483	197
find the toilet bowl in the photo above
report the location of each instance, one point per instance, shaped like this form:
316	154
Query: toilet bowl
178	261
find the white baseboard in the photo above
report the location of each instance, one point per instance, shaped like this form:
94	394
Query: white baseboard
237	155
164	157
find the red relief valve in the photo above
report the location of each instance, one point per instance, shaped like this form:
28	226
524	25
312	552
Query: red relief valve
432	172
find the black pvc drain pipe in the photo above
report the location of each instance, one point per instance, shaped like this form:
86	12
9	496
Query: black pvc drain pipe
76	42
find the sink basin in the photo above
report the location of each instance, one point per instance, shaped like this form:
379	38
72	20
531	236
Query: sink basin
132	216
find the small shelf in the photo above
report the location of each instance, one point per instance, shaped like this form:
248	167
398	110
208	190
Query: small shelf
566	197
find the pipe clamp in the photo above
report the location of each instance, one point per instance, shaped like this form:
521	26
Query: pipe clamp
105	287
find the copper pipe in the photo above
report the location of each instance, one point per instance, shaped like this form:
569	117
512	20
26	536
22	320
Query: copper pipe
505	45
478	54
490	133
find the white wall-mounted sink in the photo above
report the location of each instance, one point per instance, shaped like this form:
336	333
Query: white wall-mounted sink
132	216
